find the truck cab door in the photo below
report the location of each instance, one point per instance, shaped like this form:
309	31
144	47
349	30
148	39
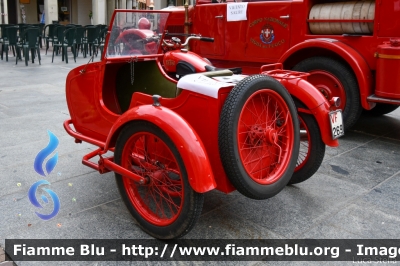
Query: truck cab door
268	29
209	21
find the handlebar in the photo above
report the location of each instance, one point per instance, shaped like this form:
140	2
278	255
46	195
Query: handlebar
204	39
207	39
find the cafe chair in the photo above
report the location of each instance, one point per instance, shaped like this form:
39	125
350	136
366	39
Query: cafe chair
66	39
92	35
79	40
29	42
10	41
49	38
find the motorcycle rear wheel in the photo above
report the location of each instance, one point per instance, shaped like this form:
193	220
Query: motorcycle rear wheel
166	206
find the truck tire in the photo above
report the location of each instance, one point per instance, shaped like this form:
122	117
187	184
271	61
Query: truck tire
333	78
312	150
166	207
258	137
381	109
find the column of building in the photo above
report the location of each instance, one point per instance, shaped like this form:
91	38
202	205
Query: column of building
51	11
3	12
99	8
122	4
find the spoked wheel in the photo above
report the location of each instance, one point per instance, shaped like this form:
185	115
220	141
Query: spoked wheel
312	149
165	206
333	78
259	137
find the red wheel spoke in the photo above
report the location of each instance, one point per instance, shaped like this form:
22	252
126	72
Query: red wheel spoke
264	135
247	137
169	188
251	153
167	200
265	107
258	169
257	116
267	154
159	201
304	146
251	111
153	200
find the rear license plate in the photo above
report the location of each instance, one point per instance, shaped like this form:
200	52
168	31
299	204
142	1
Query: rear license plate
336	124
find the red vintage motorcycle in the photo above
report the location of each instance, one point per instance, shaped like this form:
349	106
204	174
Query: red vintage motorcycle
178	127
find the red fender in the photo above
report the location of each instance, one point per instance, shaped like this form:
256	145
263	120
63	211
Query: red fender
184	137
351	56
315	102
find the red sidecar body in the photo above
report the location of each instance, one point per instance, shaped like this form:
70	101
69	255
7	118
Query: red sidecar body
175	139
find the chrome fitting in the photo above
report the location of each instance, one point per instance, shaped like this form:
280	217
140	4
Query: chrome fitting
335	101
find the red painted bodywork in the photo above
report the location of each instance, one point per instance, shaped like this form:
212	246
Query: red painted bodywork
190	119
171	58
388	55
238	44
92	119
316	103
188	142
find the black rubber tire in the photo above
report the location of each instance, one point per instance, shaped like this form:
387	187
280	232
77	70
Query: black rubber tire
353	109
227	137
381	109
192	201
315	150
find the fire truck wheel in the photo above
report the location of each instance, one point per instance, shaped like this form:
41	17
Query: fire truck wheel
381	109
165	206
334	78
258	137
312	150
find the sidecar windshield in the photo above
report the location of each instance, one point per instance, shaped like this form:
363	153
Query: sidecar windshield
136	33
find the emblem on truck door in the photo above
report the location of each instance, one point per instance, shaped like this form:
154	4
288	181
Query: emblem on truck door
267	32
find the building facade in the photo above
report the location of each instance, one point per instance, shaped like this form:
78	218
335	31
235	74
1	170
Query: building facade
83	12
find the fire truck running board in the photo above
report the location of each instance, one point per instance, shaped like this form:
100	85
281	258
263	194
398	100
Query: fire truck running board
376	99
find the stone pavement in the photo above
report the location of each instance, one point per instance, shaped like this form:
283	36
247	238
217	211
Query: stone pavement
355	194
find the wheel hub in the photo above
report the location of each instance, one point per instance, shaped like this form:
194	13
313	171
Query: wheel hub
154	177
258	135
328	84
325	91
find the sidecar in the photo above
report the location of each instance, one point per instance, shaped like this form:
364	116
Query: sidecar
174	139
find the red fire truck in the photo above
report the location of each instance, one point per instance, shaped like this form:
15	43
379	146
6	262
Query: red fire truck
351	48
